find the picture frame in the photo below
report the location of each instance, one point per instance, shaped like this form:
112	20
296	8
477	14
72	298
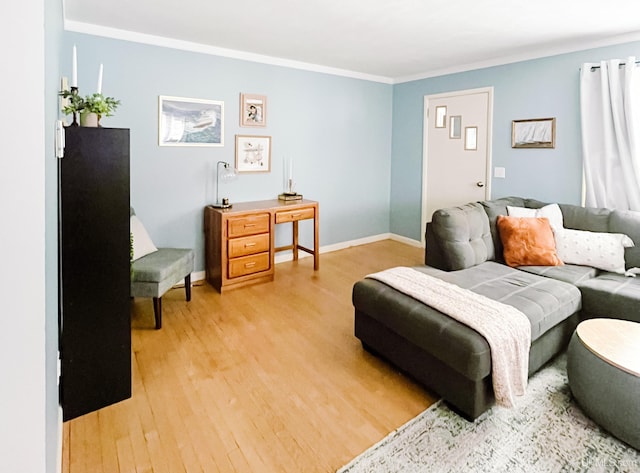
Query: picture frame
533	133
253	153
186	121
253	110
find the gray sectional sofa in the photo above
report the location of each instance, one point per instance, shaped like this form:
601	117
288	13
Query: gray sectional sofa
464	247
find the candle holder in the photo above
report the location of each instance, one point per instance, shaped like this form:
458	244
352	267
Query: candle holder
74	93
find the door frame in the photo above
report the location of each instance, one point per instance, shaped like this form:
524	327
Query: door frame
425	141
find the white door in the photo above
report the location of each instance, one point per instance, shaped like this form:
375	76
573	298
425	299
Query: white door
457	149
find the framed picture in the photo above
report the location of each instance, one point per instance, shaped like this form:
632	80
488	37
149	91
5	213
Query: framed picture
190	122
253	153
533	133
253	110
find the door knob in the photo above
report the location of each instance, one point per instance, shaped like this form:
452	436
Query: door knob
480	184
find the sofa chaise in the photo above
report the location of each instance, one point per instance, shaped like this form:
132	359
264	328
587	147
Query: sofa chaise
463	247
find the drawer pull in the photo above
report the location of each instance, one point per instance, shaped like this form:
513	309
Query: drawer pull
296	215
249	225
250	265
249	245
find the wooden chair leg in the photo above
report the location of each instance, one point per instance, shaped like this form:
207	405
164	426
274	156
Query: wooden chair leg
187	286
157	310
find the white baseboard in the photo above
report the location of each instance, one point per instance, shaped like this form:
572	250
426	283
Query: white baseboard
284	257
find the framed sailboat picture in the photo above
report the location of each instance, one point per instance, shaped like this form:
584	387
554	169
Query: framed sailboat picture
190	122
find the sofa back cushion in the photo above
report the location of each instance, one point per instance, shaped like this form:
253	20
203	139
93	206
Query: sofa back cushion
462	236
493	209
627	222
585	218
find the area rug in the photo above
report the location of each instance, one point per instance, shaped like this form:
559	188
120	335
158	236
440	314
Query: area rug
545	432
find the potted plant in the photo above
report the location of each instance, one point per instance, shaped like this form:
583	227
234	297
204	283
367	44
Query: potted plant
95	107
91	108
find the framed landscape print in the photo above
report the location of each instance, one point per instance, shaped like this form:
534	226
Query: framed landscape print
253	153
190	122
533	133
253	110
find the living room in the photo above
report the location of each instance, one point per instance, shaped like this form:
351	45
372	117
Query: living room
361	134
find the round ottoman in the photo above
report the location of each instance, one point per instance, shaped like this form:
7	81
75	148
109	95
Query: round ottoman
603	366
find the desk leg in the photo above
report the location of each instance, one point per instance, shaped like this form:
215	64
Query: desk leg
316	241
295	240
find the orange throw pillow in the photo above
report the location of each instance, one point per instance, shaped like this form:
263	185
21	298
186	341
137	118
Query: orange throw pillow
528	241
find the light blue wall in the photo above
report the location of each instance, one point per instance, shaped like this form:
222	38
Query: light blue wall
547	87
338	131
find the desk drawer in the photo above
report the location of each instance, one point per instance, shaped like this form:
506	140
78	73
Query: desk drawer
249	225
293	215
248	245
248	265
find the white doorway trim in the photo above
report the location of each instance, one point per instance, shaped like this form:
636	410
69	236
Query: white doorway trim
425	137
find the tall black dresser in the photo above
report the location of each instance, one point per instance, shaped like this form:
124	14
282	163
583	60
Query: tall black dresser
94	278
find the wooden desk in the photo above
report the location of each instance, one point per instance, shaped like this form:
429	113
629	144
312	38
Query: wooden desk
240	241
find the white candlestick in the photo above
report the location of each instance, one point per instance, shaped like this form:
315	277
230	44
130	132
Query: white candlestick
74	68
290	169
100	79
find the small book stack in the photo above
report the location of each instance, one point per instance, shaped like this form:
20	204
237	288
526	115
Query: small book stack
287	196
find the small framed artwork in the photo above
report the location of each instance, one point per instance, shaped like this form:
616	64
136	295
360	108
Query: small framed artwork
471	138
190	122
253	110
253	153
533	133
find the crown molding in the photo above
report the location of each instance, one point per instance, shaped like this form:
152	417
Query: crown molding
114	33
534	54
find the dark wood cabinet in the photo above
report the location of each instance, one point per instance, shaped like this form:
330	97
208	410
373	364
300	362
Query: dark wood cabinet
94	279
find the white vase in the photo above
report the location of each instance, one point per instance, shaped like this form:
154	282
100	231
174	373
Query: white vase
89	119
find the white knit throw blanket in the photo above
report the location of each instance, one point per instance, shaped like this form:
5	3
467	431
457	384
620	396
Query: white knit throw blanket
506	329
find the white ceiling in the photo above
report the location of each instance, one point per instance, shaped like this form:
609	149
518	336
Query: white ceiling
389	40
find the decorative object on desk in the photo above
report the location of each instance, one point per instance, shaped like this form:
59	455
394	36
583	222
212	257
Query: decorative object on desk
289	184
533	133
253	110
227	174
253	153
190	122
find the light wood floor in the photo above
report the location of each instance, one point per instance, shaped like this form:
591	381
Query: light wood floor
267	378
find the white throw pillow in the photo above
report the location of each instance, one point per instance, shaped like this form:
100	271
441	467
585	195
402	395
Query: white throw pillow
142	244
600	250
551	211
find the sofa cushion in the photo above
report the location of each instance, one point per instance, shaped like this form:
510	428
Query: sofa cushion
601	250
585	218
551	211
627	222
463	236
527	241
496	207
545	301
611	295
571	273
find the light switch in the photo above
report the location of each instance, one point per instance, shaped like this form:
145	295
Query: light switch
499	172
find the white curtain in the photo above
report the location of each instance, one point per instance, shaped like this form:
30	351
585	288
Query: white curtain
610	111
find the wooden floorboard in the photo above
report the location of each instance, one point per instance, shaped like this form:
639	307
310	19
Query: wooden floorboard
266	378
